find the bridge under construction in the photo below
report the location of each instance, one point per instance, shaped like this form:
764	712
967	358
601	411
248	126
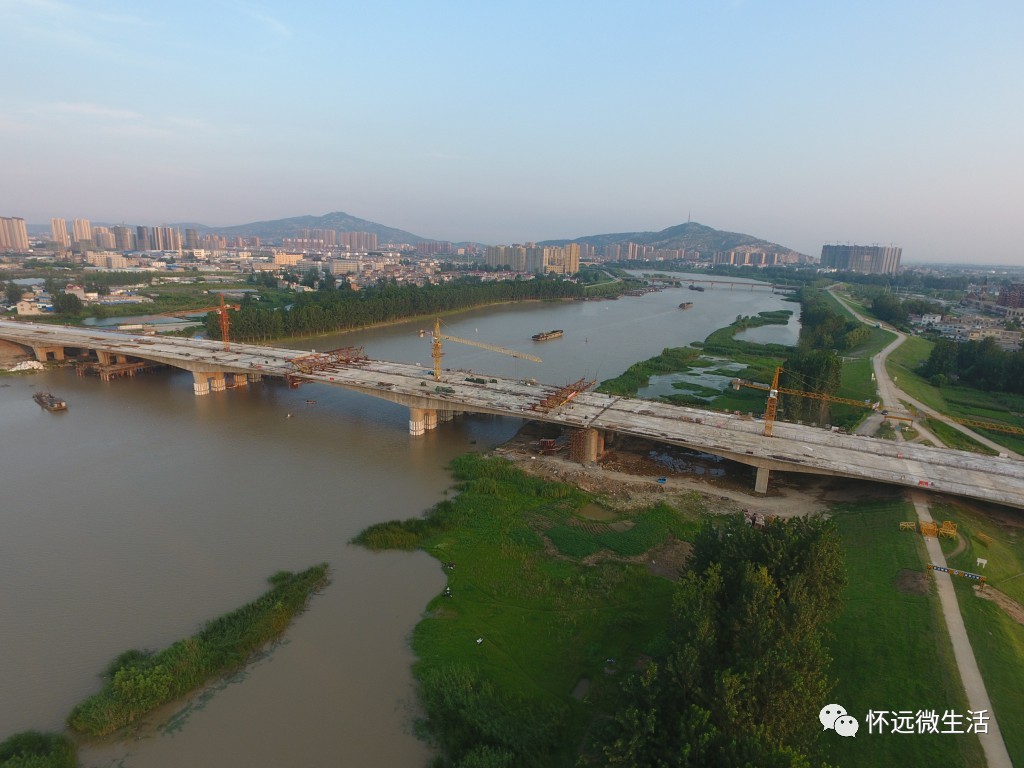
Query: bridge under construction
590	417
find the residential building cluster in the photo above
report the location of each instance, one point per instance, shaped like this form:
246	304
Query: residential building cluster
13	235
532	258
868	259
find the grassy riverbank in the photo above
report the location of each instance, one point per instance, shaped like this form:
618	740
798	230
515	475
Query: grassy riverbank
138	682
534	613
32	749
891	650
997	639
759	359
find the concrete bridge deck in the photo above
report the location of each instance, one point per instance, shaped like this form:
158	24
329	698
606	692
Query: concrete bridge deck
793	448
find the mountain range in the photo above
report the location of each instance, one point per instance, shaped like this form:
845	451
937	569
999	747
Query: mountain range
690	236
273	231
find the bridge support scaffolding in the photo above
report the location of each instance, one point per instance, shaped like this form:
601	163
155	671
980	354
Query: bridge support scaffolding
761	483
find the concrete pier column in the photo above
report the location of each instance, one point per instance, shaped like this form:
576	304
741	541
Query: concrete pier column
240	379
600	442
417	417
218	384
201	383
444	414
103	357
761	483
43	353
583	445
255	378
430	419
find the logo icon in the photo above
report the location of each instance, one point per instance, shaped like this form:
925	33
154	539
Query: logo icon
834	717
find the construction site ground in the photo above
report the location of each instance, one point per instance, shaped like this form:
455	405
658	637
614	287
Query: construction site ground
626	477
11	354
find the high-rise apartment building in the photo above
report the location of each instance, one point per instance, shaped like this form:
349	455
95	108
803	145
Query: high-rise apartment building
123	238
103	238
59	233
358	241
142	240
572	258
82	230
13	235
870	259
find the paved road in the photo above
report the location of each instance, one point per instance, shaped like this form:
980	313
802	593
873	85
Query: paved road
890	394
974	686
992	742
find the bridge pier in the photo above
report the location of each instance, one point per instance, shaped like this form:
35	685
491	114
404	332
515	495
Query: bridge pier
240	380
43	353
429	419
417	420
200	383
585	445
218	383
254	378
761	483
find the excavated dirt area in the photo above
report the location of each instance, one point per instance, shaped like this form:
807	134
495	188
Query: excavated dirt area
1012	608
627	477
12	354
912	582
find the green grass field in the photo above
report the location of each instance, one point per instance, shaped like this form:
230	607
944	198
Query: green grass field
956	401
998	640
527	620
891	650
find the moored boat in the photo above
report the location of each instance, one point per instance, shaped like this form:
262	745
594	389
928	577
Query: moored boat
546	335
50	402
686	305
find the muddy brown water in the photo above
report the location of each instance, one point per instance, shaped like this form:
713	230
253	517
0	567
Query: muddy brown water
143	511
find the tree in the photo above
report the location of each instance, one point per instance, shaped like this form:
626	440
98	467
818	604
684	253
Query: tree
14	292
745	673
67	304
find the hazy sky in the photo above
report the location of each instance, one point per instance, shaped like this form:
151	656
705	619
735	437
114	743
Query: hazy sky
800	122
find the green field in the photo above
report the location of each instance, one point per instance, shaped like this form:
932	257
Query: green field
953	400
998	640
527	620
891	648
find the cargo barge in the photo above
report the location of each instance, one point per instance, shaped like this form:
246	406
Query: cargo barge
49	402
547	335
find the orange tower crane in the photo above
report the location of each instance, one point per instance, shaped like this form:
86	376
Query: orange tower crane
773	402
222	316
773	390
437	354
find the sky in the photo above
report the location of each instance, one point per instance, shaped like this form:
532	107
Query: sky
802	123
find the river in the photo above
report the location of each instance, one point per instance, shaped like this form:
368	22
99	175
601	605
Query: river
142	511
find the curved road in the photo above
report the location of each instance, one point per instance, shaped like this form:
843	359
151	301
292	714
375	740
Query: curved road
890	394
978	700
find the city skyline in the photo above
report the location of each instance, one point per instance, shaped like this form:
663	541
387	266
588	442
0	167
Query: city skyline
795	123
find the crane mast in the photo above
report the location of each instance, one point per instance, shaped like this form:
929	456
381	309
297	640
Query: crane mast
437	353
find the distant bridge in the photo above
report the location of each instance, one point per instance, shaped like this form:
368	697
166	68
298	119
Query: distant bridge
589	416
679	282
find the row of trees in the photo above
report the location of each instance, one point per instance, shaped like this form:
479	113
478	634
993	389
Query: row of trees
816	365
743	677
326	311
892	309
983	363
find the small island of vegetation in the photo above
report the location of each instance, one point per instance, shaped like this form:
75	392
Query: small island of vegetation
138	682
